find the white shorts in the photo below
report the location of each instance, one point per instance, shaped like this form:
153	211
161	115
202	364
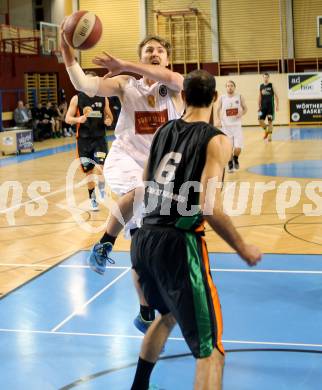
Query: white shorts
235	134
123	174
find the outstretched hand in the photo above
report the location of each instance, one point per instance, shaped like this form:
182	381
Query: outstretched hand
114	65
251	254
82	118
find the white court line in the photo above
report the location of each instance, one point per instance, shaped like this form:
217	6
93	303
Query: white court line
81	308
277	271
42	265
124	336
76	266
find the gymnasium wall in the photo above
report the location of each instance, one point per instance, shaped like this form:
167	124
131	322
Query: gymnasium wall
247	30
10	80
250	30
121	28
57	11
205	29
248	86
304	21
21	13
48	9
69	7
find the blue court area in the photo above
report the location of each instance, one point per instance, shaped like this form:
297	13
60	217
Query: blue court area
27	156
38	154
297	169
70	328
300	169
297	133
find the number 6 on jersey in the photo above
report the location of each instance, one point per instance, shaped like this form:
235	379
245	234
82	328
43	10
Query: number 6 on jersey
167	168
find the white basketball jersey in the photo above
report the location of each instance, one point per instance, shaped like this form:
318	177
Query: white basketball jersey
144	109
230	107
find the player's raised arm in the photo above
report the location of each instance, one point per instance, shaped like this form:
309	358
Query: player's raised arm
154	53
154	72
90	85
218	155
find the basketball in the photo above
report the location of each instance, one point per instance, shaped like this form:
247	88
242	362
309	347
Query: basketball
87	110
82	30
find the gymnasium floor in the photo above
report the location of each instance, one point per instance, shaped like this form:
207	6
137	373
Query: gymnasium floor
64	327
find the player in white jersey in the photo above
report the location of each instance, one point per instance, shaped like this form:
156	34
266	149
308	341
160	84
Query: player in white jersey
146	104
144	108
231	107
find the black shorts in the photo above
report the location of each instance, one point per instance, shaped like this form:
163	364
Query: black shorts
91	150
174	273
266	111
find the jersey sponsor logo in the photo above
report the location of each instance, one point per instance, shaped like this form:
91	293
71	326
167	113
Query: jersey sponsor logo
94	114
163	90
151	101
232	111
147	122
266	90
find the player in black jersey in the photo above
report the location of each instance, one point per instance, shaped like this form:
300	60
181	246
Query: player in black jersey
91	115
267	104
183	189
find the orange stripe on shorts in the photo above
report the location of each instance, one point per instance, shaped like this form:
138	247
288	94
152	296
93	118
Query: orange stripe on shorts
214	296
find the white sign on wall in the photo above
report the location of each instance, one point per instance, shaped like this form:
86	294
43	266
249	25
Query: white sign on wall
305	86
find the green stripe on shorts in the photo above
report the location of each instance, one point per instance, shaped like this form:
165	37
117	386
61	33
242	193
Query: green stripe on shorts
199	296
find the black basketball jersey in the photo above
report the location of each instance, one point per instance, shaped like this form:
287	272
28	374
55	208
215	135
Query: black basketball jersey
267	93
177	159
94	125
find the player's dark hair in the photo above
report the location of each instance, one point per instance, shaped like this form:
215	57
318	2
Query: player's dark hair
199	87
266	74
163	42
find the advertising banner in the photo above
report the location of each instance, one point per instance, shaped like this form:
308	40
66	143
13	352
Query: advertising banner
305	86
24	139
306	111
